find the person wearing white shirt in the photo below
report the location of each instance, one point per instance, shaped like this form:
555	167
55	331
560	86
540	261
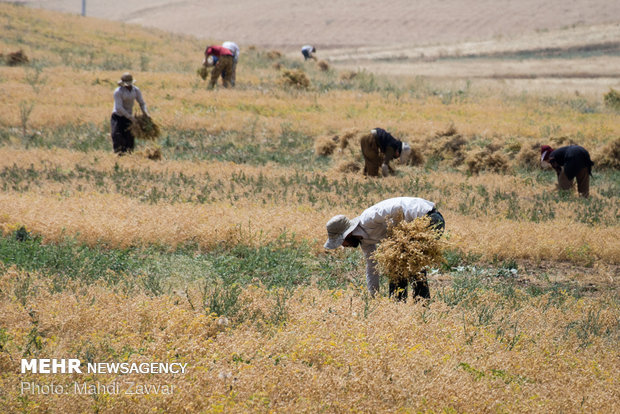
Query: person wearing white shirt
370	228
308	51
125	95
233	47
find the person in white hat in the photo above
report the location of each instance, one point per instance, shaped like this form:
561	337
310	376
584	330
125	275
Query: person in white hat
379	148
370	228
123	140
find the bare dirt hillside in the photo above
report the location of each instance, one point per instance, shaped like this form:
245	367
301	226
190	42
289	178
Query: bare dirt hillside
327	24
556	44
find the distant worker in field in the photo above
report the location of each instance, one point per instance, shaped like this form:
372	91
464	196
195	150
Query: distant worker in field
123	140
232	46
370	228
569	162
379	148
222	66
308	51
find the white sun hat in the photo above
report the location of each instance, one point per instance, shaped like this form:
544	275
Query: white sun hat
338	228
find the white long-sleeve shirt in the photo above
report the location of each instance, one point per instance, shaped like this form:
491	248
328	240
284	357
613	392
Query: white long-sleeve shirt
372	228
124	99
232	46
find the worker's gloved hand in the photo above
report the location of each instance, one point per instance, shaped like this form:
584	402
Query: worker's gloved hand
385	170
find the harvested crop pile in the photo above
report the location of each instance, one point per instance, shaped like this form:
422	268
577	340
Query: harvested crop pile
415	157
325	145
449	145
273	55
612	99
295	78
608	156
486	160
203	72
408	248
348	139
348	166
323	65
144	128
347	75
529	156
16	58
153	153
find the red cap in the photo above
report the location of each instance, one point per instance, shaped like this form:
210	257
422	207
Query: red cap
545	152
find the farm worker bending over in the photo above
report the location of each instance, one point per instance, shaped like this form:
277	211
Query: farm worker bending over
379	148
232	46
224	65
371	227
569	162
308	51
122	116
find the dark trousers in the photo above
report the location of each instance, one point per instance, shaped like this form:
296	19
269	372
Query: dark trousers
419	288
122	139
223	67
374	158
419	283
583	182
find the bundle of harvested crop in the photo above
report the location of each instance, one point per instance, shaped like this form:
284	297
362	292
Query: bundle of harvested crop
144	128
153	153
203	72
409	247
295	78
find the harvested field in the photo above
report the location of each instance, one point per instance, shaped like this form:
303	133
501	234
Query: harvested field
204	246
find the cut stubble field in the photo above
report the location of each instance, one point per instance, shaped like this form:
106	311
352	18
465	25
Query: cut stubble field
212	256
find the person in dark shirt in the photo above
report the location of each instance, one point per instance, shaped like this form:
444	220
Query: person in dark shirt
379	148
569	162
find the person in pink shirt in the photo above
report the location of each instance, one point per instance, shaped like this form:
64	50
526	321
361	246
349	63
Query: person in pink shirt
224	65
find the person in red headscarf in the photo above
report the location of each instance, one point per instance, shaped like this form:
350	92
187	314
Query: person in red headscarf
569	162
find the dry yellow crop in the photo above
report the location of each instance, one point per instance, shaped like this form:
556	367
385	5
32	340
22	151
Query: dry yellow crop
333	351
409	248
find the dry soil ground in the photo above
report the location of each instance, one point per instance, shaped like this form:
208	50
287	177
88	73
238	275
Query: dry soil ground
522	45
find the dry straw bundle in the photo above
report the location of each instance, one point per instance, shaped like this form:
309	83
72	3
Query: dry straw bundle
612	99
415	157
449	145
347	75
325	145
608	156
144	128
486	160
409	247
349	166
203	72
16	58
529	156
153	153
273	55
323	65
296	78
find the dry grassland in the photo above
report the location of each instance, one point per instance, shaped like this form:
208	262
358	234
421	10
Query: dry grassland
104	213
336	351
